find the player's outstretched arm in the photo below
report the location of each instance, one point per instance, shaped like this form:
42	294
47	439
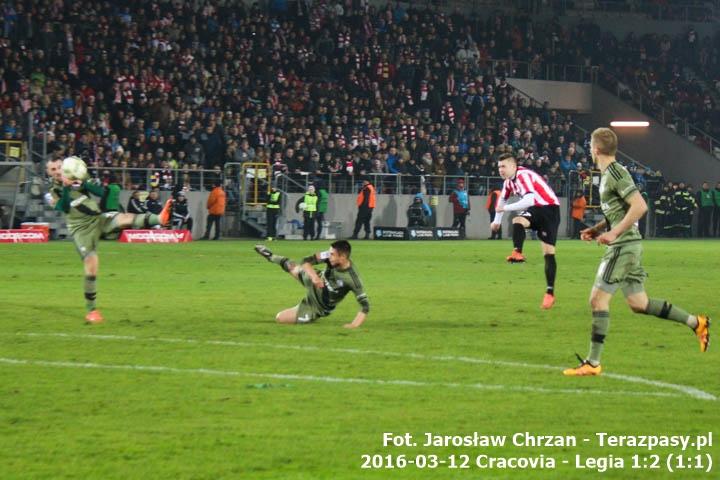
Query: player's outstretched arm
357	321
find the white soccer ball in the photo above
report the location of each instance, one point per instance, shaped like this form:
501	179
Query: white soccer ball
302	206
73	168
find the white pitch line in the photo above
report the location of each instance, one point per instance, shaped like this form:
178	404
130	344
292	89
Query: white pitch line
325	379
685	389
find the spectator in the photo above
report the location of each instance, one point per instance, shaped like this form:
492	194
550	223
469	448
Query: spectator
181	213
152	203
216	203
135	204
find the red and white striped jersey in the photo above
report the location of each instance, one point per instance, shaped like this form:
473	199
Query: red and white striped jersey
527	181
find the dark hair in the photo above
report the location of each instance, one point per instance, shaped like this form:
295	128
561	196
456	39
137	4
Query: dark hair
342	247
507	156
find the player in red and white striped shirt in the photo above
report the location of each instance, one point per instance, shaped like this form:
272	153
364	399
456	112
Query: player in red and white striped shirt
539	210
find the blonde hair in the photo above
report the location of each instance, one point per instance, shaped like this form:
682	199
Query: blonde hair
605	141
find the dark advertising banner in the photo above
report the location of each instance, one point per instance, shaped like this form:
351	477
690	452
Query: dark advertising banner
419	233
448	234
390	233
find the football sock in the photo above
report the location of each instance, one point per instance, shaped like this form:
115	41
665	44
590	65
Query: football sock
600	325
663	309
282	261
550	271
90	292
518	236
145	220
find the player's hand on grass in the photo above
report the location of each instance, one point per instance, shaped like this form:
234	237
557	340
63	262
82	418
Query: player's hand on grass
607	238
350	325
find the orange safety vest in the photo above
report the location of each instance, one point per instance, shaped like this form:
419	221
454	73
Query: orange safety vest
216	201
361	196
578	208
492	199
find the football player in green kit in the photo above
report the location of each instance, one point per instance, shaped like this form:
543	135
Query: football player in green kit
620	268
87	223
324	289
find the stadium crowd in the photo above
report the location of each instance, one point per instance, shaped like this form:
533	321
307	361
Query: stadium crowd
336	88
324	87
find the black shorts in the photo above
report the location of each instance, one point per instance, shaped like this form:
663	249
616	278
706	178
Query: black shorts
545	221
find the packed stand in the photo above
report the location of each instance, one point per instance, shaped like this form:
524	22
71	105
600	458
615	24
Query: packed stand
349	91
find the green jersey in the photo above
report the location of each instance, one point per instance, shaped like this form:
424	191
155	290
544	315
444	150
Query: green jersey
79	207
616	186
337	284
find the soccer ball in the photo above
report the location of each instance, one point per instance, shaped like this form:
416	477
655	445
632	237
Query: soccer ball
302	206
73	168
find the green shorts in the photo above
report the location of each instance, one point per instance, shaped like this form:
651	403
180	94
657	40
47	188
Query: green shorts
309	308
621	268
87	236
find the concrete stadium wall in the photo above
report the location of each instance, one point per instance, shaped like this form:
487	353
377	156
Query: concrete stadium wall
560	95
655	146
391	210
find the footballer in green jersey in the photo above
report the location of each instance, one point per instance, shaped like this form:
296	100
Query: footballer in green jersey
88	223
621	268
325	289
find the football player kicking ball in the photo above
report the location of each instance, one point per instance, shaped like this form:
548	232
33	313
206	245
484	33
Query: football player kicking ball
324	290
620	267
87	223
539	210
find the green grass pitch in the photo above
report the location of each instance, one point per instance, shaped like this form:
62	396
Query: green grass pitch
190	377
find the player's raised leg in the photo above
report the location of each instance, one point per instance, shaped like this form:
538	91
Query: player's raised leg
143	220
699	324
285	263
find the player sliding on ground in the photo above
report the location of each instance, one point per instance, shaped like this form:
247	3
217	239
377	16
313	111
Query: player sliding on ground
623	206
539	210
324	290
87	223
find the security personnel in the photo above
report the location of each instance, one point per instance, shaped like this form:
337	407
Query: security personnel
663	205
323	200
272	212
706	203
308	204
366	204
684	207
